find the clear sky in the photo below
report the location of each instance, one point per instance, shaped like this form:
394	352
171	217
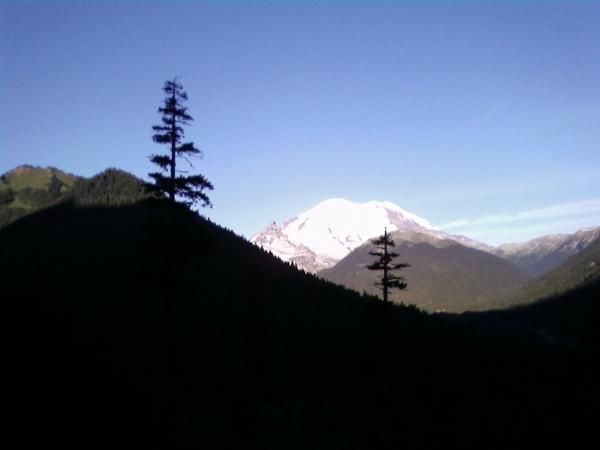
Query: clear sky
482	117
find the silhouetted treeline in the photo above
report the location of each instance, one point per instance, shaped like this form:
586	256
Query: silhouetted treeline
109	187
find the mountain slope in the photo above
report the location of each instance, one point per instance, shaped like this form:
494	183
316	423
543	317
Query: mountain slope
545	253
31	177
578	270
273	239
443	275
262	355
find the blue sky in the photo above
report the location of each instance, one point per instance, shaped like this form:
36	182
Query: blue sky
482	117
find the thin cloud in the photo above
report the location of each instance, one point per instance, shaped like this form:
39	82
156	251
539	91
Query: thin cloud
522	233
534	184
547	214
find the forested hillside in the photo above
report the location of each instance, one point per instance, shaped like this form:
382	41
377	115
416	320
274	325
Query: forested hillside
27	189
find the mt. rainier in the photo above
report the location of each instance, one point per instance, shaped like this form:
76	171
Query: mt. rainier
321	236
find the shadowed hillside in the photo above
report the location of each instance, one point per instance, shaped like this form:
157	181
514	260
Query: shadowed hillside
443	275
567	319
262	356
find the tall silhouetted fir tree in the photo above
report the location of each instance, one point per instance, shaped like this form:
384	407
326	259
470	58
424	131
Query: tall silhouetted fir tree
190	188
385	263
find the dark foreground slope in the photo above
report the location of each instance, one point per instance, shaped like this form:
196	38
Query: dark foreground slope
263	356
570	318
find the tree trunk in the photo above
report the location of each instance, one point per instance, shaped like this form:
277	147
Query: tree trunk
385	268
173	144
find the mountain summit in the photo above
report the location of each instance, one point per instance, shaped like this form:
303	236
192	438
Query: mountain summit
318	238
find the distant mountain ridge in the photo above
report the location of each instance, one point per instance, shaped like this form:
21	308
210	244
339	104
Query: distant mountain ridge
578	270
546	253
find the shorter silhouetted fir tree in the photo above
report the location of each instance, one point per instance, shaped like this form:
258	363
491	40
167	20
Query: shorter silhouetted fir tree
189	188
385	263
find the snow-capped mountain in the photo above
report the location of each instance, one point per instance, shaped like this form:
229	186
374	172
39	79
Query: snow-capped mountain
323	235
547	252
